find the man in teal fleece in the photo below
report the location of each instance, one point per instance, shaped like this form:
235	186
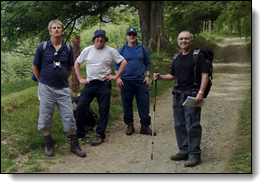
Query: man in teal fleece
134	82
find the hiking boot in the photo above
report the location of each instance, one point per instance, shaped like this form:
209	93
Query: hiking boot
49	148
97	140
192	162
146	130
178	157
75	148
130	129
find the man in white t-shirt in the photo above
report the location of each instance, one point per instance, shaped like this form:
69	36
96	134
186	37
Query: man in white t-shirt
99	58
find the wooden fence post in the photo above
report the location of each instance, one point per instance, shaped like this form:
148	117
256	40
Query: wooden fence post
158	45
75	84
209	26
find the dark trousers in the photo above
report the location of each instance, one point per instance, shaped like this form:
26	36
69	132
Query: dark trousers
138	89
187	127
102	91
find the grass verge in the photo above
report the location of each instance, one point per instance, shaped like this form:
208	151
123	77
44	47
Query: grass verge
241	160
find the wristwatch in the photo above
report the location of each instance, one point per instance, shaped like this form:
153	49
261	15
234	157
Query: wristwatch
200	92
147	75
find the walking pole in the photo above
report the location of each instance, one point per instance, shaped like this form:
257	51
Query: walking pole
153	122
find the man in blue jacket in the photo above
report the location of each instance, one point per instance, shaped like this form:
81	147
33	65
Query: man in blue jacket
133	82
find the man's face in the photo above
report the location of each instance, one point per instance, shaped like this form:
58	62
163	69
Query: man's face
184	40
56	30
100	41
131	37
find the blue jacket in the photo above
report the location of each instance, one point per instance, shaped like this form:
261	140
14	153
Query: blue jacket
138	61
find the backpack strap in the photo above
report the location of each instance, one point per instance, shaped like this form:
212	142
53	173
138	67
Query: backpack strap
142	49
123	50
175	56
195	59
68	46
143	52
44	47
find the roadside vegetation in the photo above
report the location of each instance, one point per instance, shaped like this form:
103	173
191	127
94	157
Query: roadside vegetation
241	160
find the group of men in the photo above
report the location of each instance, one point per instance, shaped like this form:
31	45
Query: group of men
132	71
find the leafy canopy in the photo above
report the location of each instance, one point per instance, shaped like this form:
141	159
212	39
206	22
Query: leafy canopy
21	20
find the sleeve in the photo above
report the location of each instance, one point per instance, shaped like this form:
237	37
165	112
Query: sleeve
147	60
117	58
116	65
38	56
202	65
82	57
172	71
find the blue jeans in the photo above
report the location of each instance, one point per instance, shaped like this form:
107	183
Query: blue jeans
138	89
102	91
187	128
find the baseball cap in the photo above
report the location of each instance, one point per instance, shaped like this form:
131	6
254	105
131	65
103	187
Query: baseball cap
131	30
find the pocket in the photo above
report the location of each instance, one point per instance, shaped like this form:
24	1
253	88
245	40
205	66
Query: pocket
67	91
176	102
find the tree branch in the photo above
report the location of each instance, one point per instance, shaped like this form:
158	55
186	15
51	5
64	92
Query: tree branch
71	29
22	53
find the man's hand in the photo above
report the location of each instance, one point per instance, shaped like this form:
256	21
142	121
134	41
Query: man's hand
83	81
156	76
120	83
199	98
146	80
111	77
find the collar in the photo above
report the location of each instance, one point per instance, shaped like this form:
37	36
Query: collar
137	45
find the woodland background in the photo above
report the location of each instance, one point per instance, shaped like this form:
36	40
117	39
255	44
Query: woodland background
24	25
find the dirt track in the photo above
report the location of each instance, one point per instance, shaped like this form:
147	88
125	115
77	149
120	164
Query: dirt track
131	154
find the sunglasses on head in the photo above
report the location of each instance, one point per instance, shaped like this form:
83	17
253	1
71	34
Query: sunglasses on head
132	34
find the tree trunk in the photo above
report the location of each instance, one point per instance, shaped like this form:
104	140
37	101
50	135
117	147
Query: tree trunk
151	23
75	84
158	47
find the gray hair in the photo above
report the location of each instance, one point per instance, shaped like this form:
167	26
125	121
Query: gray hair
185	31
56	22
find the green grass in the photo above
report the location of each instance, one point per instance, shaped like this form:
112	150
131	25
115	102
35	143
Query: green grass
12	87
241	160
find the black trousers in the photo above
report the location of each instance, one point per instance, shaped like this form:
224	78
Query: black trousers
102	91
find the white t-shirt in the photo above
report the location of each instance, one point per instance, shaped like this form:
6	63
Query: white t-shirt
99	61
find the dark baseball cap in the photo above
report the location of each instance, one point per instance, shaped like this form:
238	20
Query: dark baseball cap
131	30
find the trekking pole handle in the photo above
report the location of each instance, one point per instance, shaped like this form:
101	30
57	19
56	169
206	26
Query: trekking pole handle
153	79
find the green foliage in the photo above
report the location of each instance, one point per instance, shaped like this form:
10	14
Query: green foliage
21	20
116	35
236	17
7	71
189	15
15	68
